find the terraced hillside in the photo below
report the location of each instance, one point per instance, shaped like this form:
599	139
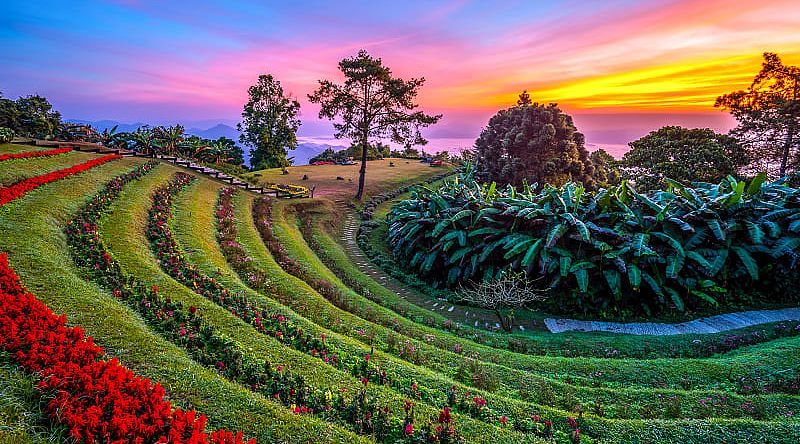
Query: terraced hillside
251	311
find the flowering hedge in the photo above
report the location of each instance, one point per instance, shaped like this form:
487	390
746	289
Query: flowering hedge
12	156
362	413
97	400
18	189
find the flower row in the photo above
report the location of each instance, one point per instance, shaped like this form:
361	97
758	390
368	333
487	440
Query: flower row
96	400
12	156
362	412
18	189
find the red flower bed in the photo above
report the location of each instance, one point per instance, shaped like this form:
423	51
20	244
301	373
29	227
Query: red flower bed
34	154
97	400
17	190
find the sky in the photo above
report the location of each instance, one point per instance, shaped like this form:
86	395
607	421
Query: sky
621	67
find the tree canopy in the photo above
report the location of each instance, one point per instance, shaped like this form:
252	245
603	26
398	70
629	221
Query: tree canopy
532	143
371	103
682	154
30	116
768	113
270	124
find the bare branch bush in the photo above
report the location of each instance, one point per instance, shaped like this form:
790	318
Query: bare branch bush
512	291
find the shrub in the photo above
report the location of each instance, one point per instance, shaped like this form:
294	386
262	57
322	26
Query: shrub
681	248
6	135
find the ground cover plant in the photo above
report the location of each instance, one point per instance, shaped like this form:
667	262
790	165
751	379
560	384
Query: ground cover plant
677	249
18	189
96	399
28	154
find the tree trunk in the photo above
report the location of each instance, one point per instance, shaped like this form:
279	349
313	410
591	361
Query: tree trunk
787	145
362	174
506	322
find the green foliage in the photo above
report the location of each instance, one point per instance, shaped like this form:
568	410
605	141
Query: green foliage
270	124
533	143
372	104
682	154
30	116
6	135
613	250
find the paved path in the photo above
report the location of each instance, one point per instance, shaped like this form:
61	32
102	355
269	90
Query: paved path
713	324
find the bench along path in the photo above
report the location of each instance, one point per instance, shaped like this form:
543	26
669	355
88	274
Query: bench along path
713	324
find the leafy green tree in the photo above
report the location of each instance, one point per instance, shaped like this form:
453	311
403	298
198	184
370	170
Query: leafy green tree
532	143
36	118
372	104
606	169
270	124
682	154
9	114
768	113
374	151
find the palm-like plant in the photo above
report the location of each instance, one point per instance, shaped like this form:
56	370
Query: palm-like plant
169	137
617	248
144	140
216	152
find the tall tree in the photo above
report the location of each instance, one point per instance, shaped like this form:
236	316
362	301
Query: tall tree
270	124
768	113
682	154
532	143
372	104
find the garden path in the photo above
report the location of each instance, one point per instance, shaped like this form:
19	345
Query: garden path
457	313
713	324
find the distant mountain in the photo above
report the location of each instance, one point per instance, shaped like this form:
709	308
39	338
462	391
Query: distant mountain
101	125
215	132
307	150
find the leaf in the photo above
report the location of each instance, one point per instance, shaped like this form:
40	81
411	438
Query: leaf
716	228
704	296
461	214
531	253
582	276
676	298
755	232
564	264
428	263
518	248
612	277
639	243
682	224
437	230
697	257
674	266
634	276
748	261
555	234
755	184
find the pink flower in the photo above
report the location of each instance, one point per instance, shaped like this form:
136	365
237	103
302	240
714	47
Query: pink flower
503	420
409	429
182	331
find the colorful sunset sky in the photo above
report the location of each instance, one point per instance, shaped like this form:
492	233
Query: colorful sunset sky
621	67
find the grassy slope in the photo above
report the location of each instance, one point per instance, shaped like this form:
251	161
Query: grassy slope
12	171
194	228
21	420
662	373
292	239
380	176
230	404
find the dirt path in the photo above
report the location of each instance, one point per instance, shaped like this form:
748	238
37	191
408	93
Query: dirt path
457	313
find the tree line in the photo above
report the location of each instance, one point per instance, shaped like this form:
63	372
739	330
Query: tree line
538	143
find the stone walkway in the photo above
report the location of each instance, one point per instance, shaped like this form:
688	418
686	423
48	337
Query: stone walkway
713	324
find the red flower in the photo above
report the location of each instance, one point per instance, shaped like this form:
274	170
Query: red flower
96	400
18	189
34	154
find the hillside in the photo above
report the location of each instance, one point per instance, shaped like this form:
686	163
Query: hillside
259	314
